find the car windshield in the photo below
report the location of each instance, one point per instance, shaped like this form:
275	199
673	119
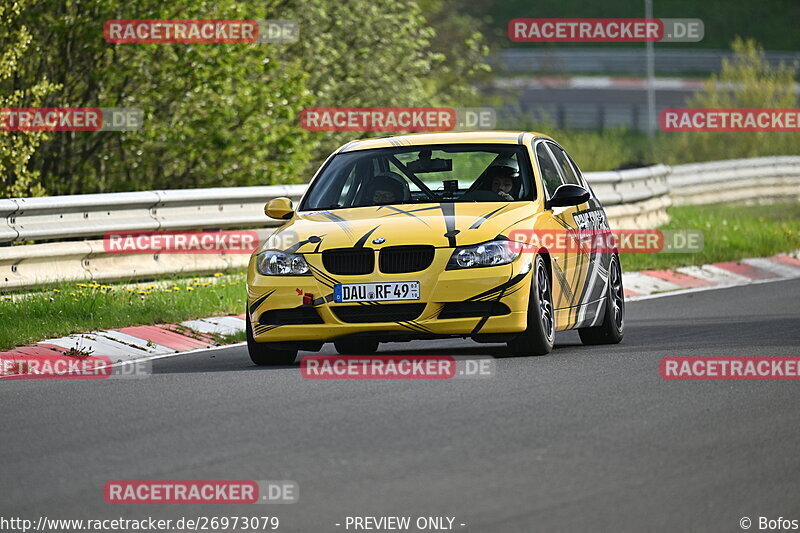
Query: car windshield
422	174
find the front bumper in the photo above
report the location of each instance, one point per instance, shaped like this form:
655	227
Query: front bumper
508	285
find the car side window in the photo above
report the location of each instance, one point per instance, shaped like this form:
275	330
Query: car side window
550	175
566	168
581	177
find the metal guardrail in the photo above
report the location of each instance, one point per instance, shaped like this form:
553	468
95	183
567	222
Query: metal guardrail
91	215
635	198
756	180
619	60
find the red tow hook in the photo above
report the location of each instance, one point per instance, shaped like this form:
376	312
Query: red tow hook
308	298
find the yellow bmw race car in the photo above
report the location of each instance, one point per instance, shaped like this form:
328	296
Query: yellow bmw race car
417	237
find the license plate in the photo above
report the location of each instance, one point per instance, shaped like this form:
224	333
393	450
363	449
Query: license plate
376	292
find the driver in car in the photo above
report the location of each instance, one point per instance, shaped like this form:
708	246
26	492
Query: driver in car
502	186
504	179
387	189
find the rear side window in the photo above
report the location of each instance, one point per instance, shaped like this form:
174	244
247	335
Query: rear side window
548	168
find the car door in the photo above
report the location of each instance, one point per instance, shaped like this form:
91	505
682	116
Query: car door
570	263
593	219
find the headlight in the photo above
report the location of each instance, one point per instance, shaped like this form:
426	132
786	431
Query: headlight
276	263
482	255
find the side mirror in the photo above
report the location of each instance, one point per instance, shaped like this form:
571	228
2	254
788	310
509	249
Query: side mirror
279	208
568	195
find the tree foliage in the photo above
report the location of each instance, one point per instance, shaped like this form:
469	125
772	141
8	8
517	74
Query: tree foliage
227	114
747	81
17	148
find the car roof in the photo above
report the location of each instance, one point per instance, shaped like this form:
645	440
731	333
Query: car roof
448	137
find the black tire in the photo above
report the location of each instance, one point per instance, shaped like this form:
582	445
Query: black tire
612	329
262	354
538	338
355	346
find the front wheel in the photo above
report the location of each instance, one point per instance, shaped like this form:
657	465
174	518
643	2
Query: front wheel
262	354
612	329
538	338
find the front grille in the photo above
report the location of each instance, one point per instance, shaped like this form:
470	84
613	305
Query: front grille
378	313
399	259
286	317
349	261
473	309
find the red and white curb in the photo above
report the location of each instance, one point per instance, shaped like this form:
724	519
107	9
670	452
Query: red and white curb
655	283
139	343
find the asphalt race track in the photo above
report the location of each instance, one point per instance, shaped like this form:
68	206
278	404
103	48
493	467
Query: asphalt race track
586	439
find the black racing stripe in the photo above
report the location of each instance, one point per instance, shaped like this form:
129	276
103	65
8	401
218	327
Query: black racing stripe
431	208
485	318
484	218
413	326
562	281
399	211
323	299
296	246
500	294
255	305
323	277
505	285
258	329
584	285
421	326
342	223
511	291
566	226
581	257
449	213
363	239
519	139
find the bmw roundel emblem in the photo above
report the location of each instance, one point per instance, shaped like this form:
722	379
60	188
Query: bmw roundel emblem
379	240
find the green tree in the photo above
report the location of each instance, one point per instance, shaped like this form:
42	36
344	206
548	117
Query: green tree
400	53
214	113
747	81
17	148
227	114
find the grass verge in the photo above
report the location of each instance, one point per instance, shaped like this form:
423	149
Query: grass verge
81	307
730	232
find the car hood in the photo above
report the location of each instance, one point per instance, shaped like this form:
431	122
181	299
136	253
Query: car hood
438	224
